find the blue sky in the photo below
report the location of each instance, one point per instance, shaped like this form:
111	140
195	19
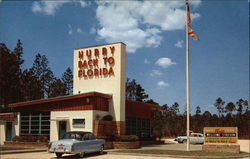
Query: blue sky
155	37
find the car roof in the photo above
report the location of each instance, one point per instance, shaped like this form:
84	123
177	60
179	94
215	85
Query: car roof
197	133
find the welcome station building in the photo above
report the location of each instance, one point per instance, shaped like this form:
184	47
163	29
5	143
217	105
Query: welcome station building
98	90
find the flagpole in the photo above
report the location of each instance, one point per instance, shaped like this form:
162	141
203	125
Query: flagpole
187	78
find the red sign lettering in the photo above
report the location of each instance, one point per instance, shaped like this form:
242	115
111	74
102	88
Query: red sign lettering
90	67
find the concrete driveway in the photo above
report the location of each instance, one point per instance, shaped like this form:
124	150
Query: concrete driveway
170	144
45	155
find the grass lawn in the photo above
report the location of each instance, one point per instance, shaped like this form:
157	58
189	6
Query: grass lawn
184	153
6	148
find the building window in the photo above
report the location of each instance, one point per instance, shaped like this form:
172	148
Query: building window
138	126
35	123
80	123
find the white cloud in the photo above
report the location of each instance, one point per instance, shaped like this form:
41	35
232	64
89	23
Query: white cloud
179	44
47	7
50	7
36	7
164	62
139	23
83	4
79	30
147	61
70	31
162	84
92	30
155	73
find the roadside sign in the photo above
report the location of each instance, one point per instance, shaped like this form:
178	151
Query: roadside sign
221	135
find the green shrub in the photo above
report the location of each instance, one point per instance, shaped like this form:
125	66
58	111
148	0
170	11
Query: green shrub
126	138
107	137
16	138
31	138
107	118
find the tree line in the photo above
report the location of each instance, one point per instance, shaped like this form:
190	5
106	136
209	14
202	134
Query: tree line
38	82
169	122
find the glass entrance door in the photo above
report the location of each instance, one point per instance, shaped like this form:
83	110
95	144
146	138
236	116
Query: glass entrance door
62	128
8	132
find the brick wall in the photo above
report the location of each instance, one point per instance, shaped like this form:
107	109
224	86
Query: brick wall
26	144
221	148
126	145
106	128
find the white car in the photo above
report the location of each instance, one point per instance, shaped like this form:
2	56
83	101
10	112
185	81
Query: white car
195	138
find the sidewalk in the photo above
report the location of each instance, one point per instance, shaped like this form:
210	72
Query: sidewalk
23	151
178	156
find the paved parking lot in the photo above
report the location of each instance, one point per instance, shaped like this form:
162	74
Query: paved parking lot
169	145
45	155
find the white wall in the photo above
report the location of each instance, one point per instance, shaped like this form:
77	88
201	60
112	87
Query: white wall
15	128
2	132
114	85
68	116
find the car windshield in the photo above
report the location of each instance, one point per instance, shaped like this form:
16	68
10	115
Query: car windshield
71	135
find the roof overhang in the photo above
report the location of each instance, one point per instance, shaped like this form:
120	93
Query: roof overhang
61	98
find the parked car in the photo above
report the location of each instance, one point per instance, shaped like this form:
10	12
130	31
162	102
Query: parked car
76	142
195	138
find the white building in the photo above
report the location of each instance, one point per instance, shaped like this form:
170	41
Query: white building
98	91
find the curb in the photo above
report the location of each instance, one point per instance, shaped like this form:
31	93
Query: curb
22	151
175	156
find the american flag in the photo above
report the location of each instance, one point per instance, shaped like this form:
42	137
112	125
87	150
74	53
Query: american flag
190	30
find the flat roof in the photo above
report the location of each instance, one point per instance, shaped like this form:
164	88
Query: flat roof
60	98
99	45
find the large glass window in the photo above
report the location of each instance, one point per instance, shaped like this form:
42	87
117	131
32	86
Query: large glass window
138	126
35	123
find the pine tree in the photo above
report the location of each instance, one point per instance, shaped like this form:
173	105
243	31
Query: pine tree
41	70
10	72
230	107
219	104
135	91
198	110
31	87
57	88
67	79
18	52
240	104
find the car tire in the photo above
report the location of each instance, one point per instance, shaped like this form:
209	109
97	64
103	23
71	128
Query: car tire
184	141
81	154
101	150
59	155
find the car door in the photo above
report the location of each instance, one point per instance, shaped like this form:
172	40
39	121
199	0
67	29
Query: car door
94	143
200	139
192	138
87	143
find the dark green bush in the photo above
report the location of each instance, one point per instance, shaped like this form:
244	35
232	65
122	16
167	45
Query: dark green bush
126	138
31	138
107	138
107	118
16	138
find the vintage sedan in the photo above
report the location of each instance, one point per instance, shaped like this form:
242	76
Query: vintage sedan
195	138
76	142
